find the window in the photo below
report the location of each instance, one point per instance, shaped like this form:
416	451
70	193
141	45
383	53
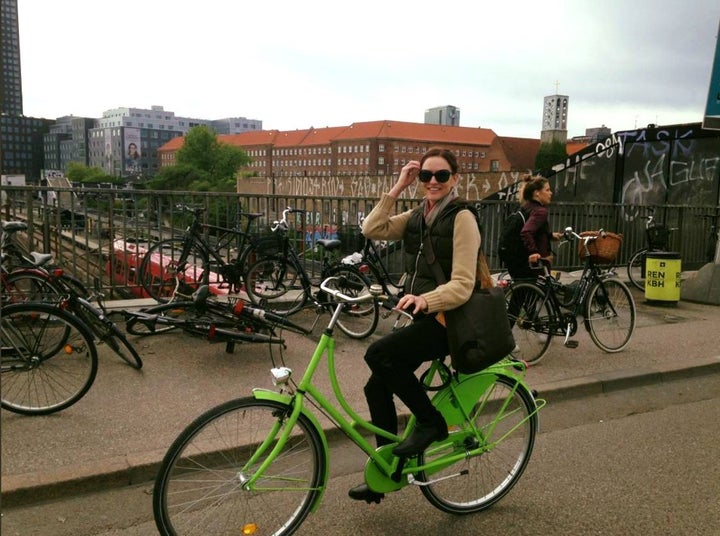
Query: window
494	165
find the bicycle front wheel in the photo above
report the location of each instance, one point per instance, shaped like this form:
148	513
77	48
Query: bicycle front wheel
164	268
48	360
273	283
610	315
636	269
503	424
357	320
530	316
206	484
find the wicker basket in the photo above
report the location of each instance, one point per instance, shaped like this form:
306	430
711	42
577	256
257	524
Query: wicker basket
603	250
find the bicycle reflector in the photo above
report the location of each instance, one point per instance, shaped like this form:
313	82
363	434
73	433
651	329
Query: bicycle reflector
57	272
364	269
239	306
212	331
250	528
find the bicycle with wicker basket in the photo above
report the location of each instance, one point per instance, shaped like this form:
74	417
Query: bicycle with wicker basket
540	310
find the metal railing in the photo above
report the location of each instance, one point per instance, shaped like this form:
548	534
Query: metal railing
88	230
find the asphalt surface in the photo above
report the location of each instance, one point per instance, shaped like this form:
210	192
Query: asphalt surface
117	434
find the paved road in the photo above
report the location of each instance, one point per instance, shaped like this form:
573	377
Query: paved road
118	432
633	461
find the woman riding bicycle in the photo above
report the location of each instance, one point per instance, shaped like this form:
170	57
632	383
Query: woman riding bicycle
393	359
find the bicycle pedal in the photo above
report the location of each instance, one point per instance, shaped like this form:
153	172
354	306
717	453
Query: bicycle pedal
572	344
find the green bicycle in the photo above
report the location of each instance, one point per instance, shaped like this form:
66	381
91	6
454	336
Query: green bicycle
259	465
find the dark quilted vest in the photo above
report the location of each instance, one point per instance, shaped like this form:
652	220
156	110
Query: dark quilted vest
420	276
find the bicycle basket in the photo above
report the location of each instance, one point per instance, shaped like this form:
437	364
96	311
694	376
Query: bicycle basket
270	245
603	250
658	236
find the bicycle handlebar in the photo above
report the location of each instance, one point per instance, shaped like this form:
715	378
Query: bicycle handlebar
283	223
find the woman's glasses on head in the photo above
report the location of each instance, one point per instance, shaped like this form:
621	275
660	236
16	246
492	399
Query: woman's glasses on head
441	176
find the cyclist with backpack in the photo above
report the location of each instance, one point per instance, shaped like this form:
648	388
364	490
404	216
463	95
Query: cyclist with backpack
530	241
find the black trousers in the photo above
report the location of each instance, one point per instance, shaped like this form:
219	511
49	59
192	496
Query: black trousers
393	361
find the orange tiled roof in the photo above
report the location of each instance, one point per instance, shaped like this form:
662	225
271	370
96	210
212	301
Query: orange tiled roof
521	152
384	129
573	147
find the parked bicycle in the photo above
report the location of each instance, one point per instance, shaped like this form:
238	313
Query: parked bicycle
48	359
541	310
25	285
370	263
14	257
230	322
713	236
259	465
657	236
280	283
194	260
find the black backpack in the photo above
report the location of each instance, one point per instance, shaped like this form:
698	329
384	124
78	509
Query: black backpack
511	249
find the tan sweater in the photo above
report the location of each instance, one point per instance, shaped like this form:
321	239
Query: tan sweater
381	224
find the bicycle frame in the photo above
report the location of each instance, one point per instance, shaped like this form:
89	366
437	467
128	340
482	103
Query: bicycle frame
456	399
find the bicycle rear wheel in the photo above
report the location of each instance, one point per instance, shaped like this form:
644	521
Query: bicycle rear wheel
274	283
636	269
48	359
29	285
202	484
610	315
530	315
164	268
357	320
504	424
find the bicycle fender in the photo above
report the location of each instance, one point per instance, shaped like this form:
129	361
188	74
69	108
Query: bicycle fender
265	394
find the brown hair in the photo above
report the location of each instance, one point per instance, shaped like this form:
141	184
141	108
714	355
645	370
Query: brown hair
529	185
447	154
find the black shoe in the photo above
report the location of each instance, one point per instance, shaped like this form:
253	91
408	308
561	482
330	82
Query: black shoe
421	438
364	493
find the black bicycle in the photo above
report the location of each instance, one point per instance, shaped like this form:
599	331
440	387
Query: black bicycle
539	310
657	236
202	314
48	359
28	285
281	284
194	260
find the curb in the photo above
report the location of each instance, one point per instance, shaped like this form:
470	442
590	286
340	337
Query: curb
135	469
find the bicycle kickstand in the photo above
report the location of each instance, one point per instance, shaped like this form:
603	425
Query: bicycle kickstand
569	343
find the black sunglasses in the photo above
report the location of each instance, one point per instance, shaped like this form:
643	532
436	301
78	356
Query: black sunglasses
441	176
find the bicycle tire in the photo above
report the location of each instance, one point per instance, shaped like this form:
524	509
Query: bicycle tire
29	285
200	488
48	359
504	424
531	323
359	320
161	271
636	269
107	332
271	283
610	315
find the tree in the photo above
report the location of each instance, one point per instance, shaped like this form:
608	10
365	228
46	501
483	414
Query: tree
89	175
203	164
550	154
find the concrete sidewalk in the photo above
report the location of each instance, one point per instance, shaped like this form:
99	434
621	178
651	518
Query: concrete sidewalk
117	434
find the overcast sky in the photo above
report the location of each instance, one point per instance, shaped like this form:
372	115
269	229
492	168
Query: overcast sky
294	65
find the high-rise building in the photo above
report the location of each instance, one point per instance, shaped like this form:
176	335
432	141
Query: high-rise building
21	149
443	115
10	77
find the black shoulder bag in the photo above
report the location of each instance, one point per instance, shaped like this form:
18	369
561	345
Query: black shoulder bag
479	332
